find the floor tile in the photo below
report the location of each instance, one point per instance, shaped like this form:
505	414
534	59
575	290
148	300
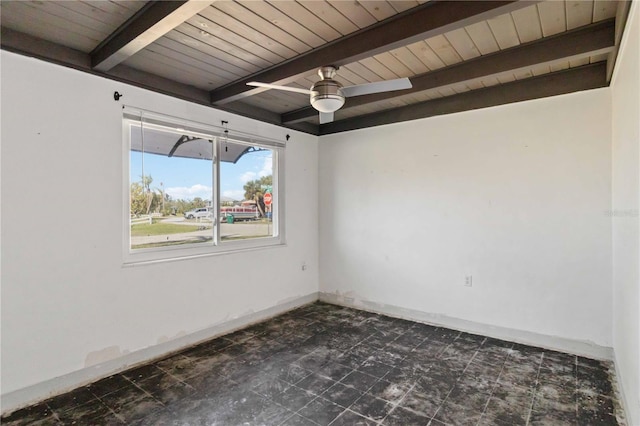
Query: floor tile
315	383
334	371
444	334
372	407
269	414
392	392
387	356
321	411
403	417
515	373
461	408
436	387
209	347
515	396
293	398
408	371
47	421
157	382
427	351
502	413
551	418
109	385
297	420
70	400
342	395
137	409
211	384
594	380
91	413
455	414
36	414
178	366
349	418
421	403
558	393
290	373
359	380
177	392
595	418
491	356
142	373
548	410
271	387
374	368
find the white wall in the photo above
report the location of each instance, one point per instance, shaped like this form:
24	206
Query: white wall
625	88
515	196
67	301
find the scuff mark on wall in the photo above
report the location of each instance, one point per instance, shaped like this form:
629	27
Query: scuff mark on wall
103	355
349	297
582	347
163	339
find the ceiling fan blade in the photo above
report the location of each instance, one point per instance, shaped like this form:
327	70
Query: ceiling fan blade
326	117
275	86
377	87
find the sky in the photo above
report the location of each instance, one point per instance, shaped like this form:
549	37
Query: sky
184	178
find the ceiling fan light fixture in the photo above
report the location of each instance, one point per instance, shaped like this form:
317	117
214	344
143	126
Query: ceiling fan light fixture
326	96
327	103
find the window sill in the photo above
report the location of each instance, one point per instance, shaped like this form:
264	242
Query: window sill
142	259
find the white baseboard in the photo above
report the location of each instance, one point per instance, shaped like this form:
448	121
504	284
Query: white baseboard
14	400
43	390
576	347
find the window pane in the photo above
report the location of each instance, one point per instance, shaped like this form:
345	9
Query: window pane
246	177
171	187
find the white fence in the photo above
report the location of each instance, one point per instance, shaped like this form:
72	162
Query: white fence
144	219
141	219
149	219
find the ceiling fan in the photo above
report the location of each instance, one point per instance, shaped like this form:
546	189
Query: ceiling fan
327	95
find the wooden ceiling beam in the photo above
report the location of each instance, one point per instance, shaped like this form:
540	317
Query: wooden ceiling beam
28	45
586	41
421	22
557	83
150	23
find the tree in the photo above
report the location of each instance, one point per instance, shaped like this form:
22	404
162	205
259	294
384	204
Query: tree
149	195
143	198
255	189
138	199
168	205
198	202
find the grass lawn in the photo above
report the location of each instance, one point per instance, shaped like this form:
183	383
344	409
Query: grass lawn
160	228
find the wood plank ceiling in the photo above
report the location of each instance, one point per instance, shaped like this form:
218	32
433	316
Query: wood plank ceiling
459	55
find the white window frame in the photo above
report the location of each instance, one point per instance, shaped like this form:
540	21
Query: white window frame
216	246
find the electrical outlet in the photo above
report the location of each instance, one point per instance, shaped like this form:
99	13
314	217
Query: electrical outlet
468	281
304	266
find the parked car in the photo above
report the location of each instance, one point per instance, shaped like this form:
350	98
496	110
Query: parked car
198	213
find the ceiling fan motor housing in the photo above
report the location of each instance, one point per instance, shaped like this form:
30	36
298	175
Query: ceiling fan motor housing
326	96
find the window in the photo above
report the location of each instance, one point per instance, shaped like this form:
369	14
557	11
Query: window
193	189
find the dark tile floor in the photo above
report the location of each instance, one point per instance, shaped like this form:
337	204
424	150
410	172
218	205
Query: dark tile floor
324	364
